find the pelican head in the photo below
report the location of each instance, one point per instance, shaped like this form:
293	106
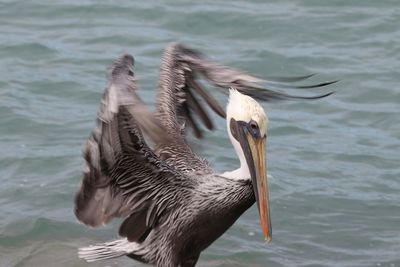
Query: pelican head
247	126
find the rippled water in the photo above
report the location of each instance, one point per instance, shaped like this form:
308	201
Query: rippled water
335	162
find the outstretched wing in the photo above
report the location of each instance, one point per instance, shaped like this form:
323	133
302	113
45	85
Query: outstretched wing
123	177
179	94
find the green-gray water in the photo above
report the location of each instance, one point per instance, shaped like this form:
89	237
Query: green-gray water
335	190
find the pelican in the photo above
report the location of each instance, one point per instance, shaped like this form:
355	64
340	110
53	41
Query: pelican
139	165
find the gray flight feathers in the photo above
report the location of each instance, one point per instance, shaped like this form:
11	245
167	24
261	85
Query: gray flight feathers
181	99
179	91
122	92
123	176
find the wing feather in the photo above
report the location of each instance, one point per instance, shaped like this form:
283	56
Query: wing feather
177	104
123	176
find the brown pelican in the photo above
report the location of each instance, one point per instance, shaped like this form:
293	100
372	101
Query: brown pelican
139	165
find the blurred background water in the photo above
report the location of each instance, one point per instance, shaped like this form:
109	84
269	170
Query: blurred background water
335	162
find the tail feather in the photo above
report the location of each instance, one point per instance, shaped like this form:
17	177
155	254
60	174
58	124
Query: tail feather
108	250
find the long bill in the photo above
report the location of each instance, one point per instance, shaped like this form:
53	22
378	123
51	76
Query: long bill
254	148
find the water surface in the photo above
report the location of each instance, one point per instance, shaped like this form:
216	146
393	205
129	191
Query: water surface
335	162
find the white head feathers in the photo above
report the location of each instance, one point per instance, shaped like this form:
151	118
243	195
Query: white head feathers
244	108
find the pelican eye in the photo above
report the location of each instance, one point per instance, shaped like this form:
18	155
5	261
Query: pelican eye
255	130
253	125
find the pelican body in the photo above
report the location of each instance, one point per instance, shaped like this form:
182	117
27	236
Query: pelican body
173	204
